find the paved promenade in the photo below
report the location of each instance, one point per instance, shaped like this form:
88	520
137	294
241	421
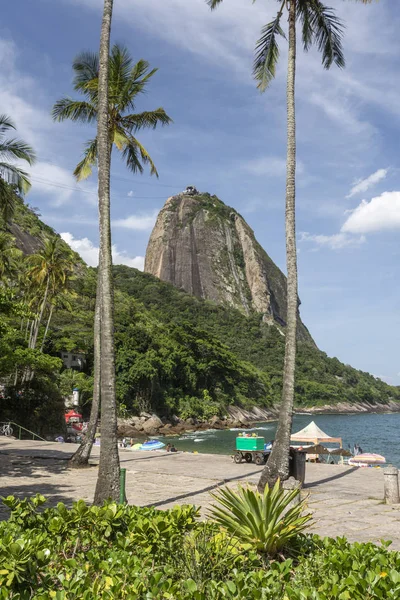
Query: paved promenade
344	500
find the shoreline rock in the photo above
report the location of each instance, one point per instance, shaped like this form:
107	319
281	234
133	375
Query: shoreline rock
147	425
351	408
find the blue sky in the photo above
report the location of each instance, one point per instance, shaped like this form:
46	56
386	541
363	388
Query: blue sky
228	139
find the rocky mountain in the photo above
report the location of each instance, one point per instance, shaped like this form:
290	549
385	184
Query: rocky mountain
201	245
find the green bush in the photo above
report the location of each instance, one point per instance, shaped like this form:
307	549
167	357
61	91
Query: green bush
133	553
265	521
337	569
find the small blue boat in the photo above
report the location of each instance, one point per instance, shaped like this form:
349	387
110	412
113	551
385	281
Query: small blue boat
152	445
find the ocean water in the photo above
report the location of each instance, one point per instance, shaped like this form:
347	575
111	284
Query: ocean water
378	433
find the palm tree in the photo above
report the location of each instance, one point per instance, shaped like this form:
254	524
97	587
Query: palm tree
126	82
12	177
117	126
319	26
48	273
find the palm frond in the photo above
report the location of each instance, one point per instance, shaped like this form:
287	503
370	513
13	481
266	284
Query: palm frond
144	120
131	157
17	149
15	177
139	72
145	156
303	15
120	139
120	63
75	110
213	3
135	154
326	31
83	170
86	68
6	123
134	85
267	52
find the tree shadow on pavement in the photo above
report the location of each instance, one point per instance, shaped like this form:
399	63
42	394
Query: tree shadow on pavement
337	476
209	488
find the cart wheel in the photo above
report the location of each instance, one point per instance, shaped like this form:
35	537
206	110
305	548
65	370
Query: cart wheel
248	457
238	458
259	459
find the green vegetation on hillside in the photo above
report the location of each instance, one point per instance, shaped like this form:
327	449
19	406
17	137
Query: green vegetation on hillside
320	379
175	353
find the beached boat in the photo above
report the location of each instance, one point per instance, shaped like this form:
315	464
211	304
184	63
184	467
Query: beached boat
152	445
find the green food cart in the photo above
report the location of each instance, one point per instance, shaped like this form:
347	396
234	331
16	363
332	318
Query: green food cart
251	449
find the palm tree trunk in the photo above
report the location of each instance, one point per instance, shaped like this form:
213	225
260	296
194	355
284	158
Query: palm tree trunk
27	329
47	327
278	462
40	317
31	331
108	477
82	455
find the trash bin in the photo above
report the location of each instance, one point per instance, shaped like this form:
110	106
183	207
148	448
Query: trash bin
297	465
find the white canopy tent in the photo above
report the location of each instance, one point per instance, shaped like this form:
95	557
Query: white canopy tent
312	434
312	440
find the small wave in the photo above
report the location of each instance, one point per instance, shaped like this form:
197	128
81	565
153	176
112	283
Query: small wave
199	440
259	429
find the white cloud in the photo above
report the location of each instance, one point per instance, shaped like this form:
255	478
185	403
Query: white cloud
59	184
130	194
33	124
362	185
272	166
141	222
337	241
221	35
382	213
341	111
75	219
90	253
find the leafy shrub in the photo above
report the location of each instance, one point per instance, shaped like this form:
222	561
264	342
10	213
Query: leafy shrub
126	552
265	521
331	569
207	553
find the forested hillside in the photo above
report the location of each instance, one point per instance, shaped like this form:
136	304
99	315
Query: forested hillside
320	379
176	354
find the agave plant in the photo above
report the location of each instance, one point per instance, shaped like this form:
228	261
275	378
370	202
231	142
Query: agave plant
267	521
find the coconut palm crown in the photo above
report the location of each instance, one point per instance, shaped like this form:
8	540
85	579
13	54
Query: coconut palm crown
319	26
12	177
126	82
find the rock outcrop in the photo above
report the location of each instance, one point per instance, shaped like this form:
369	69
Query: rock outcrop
206	248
